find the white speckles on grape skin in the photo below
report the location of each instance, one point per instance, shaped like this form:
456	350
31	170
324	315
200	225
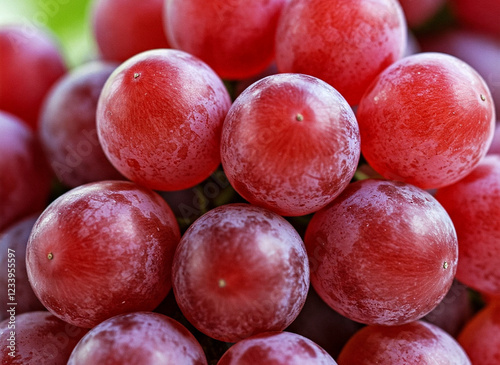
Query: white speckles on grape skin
261	260
138	338
377	252
276	348
112	243
416	343
169	138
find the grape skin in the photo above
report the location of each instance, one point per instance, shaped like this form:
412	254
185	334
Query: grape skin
144	338
383	252
159	119
276	348
290	143
102	249
240	270
416	343
426	120
67	127
473	204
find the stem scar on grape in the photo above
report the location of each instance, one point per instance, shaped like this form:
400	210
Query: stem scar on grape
50	256
299	117
136	75
222	283
483	98
445	265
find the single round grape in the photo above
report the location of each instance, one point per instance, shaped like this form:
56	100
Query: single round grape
30	63
14	283
234	37
144	338
473	204
416	343
426	120
480	338
481	15
276	348
25	176
67	127
383	252
124	28
240	270
290	143
102	249
159	119
343	42
37	338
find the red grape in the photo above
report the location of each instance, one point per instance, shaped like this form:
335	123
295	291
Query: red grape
473	204
480	338
159	119
14	284
276	348
37	338
426	120
416	343
290	143
24	173
30	63
240	270
124	28
343	42
383	252
102	249
234	37
68	126
138	338
482	15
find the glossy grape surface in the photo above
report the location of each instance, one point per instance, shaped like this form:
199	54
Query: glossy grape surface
234	37
102	249
24	173
40	339
480	338
138	338
67	127
343	42
30	63
124	28
416	343
159	119
240	270
290	143
473	204
382	253
14	283
276	348
426	120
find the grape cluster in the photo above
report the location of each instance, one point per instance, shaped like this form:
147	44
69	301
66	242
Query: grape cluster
254	182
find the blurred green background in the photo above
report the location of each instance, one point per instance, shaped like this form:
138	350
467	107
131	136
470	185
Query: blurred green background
67	19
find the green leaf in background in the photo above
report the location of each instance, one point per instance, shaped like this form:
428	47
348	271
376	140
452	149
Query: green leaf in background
67	19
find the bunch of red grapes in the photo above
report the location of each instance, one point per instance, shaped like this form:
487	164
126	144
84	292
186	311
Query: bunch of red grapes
254	182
